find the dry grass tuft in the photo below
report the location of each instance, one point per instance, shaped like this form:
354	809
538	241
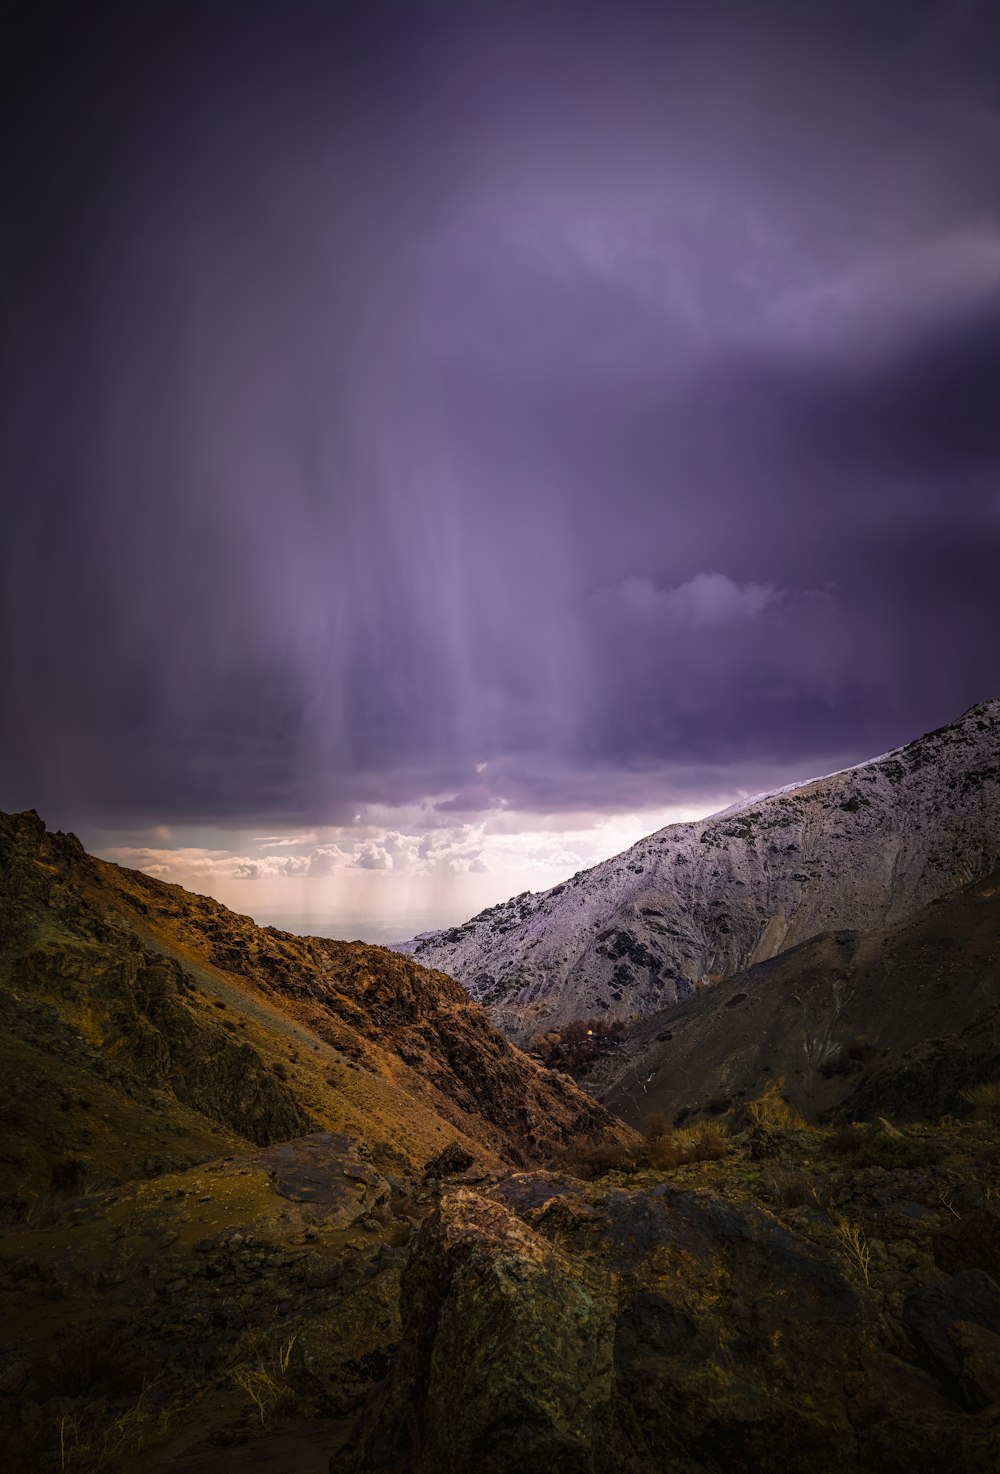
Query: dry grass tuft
264	1377
854	1243
984	1100
772	1111
93	1439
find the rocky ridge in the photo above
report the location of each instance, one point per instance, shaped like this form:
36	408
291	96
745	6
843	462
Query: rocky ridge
900	1021
147	1028
215	1142
695	903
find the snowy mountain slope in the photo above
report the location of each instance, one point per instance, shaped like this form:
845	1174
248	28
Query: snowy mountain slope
694	903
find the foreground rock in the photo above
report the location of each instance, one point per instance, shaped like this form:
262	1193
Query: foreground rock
614	1328
508	1359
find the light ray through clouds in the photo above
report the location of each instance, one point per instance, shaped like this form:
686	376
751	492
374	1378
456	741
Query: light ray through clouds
499	414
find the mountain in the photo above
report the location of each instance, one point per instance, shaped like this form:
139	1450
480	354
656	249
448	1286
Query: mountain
287	1203
696	903
188	1029
214	1139
901	1021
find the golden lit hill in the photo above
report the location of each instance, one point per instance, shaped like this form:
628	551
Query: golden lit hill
145	1029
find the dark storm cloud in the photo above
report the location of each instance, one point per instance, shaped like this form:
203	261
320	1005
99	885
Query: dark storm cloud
394	389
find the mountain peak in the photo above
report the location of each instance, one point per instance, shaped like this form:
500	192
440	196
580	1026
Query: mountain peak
696	902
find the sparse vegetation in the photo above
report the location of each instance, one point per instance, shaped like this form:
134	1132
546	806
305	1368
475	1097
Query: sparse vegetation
589	1160
790	1187
97	1438
575	1047
984	1100
263	1376
855	1245
772	1111
660	1149
882	1146
898	1153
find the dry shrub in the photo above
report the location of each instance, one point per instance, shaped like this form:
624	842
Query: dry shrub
897	1152
847	1139
790	1189
661	1149
869	1147
664	1148
772	1110
984	1100
855	1245
662	1153
590	1159
706	1143
263	1376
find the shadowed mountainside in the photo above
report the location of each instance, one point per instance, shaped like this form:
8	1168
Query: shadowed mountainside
695	903
897	1021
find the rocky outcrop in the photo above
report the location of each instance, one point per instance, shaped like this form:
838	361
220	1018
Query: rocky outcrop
554	1327
694	903
509	1358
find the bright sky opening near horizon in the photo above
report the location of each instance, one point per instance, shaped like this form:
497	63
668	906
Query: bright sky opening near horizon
442	442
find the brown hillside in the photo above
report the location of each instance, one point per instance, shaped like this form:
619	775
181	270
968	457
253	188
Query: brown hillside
146	1028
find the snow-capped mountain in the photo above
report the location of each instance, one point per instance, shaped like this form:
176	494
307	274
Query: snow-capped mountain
694	903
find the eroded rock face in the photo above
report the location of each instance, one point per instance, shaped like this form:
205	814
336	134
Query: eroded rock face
509	1358
552	1326
693	903
326	1171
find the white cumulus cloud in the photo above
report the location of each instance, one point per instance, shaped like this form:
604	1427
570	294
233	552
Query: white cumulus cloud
705	600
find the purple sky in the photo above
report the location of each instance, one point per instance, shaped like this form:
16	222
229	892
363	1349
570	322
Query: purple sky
491	407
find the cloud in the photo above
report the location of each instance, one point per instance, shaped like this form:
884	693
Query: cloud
705	600
699	314
327	859
270	866
894	296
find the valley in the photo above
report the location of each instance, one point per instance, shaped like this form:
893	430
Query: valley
284	1203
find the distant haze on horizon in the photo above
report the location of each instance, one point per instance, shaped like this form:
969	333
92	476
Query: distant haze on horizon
441	443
